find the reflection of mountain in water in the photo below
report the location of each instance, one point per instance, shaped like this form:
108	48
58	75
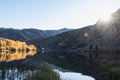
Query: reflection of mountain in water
10	56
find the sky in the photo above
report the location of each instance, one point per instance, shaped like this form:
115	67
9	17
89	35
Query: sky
54	14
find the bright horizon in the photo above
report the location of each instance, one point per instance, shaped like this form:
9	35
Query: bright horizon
54	14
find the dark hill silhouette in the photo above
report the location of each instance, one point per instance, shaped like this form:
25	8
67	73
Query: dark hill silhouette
28	34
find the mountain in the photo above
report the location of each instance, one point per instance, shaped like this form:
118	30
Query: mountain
73	49
29	34
105	34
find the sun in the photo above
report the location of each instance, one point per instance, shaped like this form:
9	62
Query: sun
106	18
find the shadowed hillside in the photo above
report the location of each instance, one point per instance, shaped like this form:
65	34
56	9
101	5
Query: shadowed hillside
29	34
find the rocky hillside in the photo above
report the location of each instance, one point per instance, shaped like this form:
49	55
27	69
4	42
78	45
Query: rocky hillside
28	34
105	34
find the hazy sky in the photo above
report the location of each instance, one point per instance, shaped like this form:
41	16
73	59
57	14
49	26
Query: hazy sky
54	14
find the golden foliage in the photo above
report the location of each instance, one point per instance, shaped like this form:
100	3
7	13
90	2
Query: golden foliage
7	44
15	50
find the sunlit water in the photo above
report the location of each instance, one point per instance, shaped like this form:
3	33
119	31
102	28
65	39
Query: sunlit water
73	76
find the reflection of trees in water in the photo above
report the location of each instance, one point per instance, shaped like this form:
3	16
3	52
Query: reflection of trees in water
19	72
15	55
25	72
14	50
93	51
3	74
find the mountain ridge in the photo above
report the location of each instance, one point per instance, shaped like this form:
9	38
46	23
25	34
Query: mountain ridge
29	34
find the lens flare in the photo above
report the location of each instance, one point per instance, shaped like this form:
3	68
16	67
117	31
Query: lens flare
86	34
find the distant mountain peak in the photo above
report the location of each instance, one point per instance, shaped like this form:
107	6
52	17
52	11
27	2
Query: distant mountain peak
64	29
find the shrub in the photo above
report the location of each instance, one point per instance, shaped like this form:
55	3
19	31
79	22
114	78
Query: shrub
43	73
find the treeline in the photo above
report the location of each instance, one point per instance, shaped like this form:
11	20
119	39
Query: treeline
7	44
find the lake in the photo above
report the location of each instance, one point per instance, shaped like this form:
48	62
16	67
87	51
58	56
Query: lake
16	74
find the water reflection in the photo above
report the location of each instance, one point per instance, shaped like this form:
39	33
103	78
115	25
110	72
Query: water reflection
16	55
15	74
73	76
20	73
